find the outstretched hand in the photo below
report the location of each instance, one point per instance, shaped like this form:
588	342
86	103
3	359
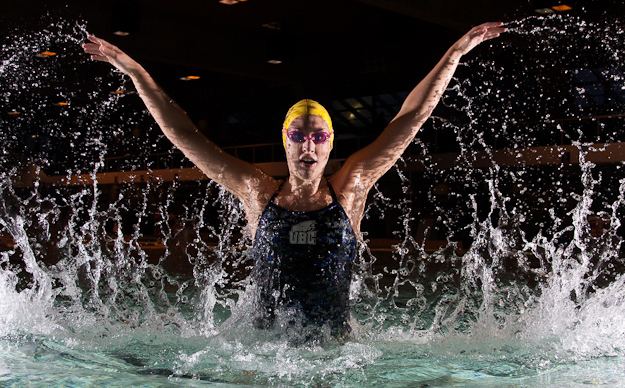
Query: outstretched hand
101	50
478	35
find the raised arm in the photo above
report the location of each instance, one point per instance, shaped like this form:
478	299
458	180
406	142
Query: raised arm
239	177
370	163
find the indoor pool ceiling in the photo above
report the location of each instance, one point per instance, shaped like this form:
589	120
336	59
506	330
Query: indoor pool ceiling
313	38
250	60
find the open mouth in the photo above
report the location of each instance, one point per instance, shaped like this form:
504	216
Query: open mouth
308	162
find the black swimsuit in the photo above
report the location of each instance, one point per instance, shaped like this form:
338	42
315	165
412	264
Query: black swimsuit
303	266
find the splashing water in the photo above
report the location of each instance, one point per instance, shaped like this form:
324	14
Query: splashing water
506	268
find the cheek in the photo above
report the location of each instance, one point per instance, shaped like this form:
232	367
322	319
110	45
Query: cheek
325	151
292	151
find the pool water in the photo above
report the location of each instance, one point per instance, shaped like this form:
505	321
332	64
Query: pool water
149	356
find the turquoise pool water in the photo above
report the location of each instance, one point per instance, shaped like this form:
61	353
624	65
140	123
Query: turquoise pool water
152	358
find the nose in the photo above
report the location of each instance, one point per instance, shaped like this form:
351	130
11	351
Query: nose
308	145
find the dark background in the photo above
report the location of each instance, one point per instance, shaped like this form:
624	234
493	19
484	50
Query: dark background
359	58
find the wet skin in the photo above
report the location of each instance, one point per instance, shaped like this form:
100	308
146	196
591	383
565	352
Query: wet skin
305	188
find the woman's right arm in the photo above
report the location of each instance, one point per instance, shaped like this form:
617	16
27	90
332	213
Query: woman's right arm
239	177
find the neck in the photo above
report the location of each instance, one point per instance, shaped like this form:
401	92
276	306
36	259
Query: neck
304	188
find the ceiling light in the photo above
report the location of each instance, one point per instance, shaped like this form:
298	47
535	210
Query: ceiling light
119	92
274	61
228	2
190	78
354	103
46	54
271	26
121	33
62	104
562	8
543	11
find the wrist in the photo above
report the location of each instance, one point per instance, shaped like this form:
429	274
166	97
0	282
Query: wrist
135	72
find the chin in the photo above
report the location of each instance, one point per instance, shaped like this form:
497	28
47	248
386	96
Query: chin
306	175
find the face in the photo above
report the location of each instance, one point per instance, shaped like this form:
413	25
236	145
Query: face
308	160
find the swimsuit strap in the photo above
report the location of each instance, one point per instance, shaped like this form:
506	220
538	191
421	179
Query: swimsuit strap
332	193
275	194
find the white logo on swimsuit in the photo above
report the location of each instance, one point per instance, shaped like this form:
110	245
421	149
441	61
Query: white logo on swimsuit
304	233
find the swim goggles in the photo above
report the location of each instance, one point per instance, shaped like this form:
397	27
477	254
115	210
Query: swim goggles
316	137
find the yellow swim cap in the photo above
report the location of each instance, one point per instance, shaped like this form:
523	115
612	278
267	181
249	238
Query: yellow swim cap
306	107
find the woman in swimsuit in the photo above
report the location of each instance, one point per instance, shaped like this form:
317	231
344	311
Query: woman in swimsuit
306	227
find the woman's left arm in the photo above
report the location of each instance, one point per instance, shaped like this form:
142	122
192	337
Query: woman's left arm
373	161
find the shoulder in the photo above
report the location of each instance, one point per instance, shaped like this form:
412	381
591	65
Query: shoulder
348	182
349	187
263	188
261	192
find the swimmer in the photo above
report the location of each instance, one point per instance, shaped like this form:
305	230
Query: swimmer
305	228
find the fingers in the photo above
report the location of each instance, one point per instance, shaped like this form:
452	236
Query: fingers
94	47
478	34
491	24
93	38
488	31
99	41
94	52
494	32
99	49
489	28
91	48
490	36
99	58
